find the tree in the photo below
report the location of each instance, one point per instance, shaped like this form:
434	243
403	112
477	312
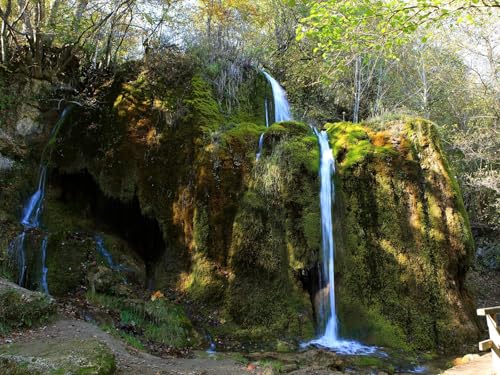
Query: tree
98	28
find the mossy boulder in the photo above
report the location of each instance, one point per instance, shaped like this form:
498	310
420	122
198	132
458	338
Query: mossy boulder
22	308
77	357
403	239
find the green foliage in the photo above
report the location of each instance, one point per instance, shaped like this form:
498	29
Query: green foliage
159	320
273	364
366	26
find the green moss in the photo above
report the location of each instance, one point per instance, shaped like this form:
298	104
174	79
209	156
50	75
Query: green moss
204	284
312	228
352	143
366	361
81	357
159	320
399	240
203	105
18	310
67	258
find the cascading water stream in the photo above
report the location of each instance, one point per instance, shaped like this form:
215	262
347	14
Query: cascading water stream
17	254
101	248
33	208
212	347
32	213
281	107
330	338
45	270
327	194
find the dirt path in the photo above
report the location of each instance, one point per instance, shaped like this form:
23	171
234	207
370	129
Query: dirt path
129	360
480	366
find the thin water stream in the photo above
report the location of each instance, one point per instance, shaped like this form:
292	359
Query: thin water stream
31	217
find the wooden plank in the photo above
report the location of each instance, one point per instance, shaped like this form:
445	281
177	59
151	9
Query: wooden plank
495	360
488	311
485	345
493	329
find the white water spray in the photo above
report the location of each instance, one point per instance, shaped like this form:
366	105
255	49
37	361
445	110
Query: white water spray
281	107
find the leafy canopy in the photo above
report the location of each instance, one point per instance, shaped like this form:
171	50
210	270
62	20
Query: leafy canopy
364	26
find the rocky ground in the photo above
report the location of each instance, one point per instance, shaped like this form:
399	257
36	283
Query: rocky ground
41	336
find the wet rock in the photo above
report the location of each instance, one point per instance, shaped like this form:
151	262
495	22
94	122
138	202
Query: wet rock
28	124
5	163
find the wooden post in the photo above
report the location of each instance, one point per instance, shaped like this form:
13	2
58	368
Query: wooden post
493	342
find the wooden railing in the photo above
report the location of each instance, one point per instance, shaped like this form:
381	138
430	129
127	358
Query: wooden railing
493	342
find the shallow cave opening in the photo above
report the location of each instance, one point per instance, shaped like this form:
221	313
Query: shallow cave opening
311	282
124	219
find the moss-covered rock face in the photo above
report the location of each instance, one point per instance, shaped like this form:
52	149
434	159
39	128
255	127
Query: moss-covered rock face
167	171
403	238
191	169
89	357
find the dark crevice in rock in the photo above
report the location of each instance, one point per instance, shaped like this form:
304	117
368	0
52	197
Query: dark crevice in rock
125	219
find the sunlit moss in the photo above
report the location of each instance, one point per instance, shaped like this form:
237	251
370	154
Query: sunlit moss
397	243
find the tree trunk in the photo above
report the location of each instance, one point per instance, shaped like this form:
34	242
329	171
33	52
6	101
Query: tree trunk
4	41
425	88
80	8
357	89
38	38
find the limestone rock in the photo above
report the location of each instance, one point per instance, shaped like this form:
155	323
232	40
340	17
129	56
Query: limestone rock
28	124
5	163
20	307
62	357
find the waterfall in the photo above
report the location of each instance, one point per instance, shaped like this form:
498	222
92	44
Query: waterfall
328	317
17	255
32	213
101	249
327	194
267	112
212	347
261	144
330	338
281	107
33	208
